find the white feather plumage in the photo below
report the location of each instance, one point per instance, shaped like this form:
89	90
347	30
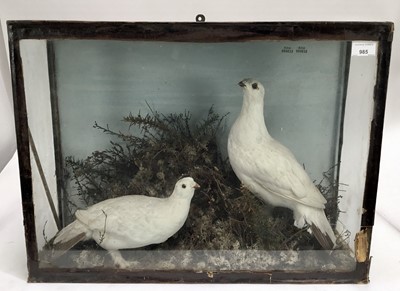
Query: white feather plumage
269	170
131	221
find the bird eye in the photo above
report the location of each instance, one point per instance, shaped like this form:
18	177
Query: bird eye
183	186
254	86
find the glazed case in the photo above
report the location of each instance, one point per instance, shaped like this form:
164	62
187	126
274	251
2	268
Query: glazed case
81	87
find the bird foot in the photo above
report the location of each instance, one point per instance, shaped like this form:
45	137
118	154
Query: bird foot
119	261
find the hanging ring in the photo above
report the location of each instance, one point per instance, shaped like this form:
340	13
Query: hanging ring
200	18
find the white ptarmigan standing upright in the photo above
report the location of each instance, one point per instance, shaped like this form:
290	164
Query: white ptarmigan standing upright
269	170
130	221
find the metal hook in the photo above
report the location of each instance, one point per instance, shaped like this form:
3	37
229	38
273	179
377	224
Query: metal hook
200	18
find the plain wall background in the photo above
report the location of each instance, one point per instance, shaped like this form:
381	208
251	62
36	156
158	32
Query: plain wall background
7	135
104	81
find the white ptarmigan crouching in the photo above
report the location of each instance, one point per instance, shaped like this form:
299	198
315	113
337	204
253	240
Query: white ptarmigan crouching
269	170
131	221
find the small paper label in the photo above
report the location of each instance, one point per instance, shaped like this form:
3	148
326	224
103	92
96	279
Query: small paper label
363	49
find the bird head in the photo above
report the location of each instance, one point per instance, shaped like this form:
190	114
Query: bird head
185	187
252	88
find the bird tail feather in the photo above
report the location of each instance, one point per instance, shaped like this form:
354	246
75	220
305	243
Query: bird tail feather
321	228
68	237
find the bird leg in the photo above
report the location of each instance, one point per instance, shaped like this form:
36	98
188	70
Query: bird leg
299	220
118	260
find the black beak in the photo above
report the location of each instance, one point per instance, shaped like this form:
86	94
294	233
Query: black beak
242	84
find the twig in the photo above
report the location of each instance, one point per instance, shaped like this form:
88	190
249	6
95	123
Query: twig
294	235
44	233
102	235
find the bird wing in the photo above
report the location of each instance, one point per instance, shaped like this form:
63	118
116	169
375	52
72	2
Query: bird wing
130	221
277	171
118	212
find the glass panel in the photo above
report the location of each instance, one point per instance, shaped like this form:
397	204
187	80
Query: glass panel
40	121
132	117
